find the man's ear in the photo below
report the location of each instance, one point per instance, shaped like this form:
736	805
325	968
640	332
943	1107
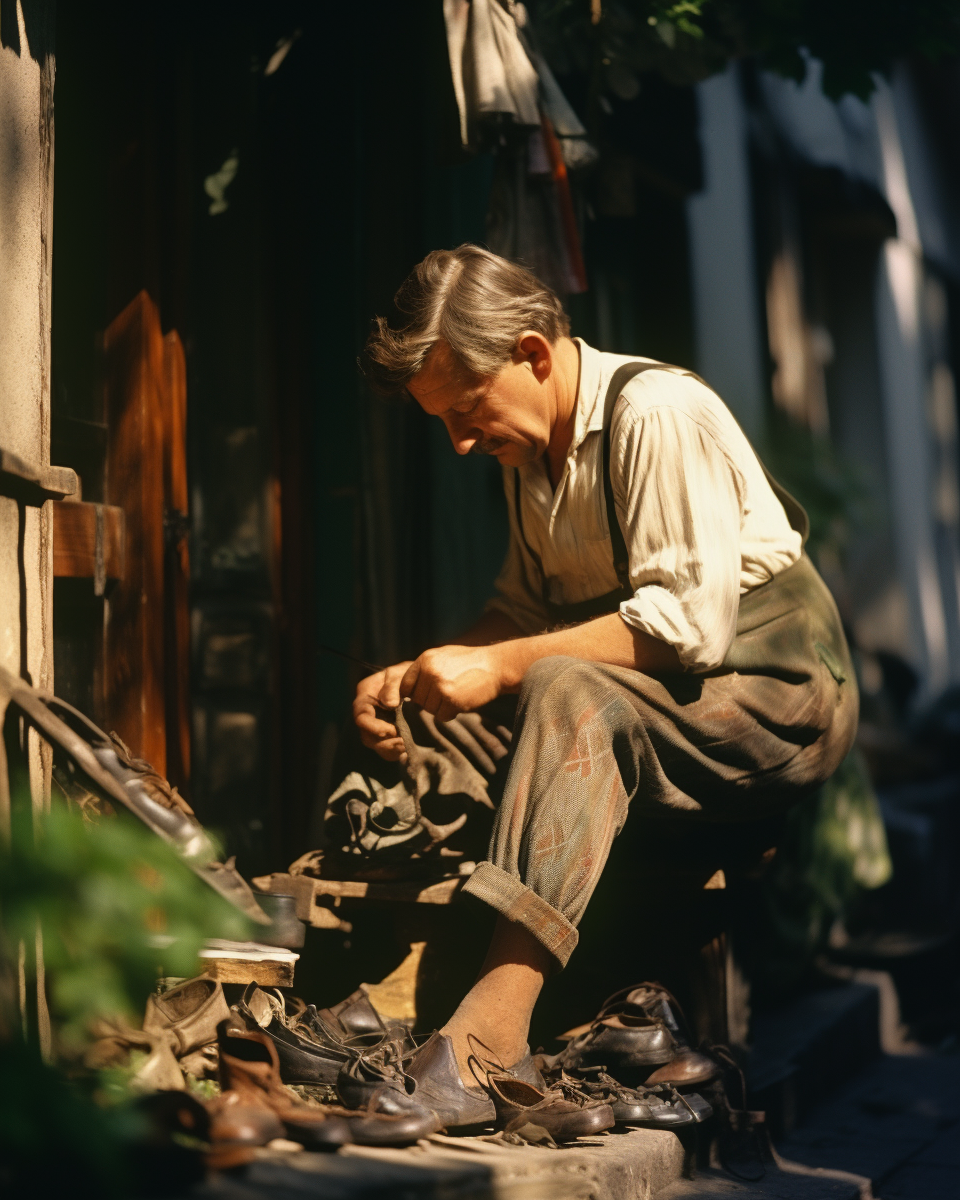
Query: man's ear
534	349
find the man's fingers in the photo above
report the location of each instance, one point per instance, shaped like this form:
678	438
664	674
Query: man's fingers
370	685
446	711
392	751
375	728
395	688
435	702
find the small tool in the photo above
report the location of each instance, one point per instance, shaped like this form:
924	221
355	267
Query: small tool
360	662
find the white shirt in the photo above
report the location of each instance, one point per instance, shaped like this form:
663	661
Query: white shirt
701	523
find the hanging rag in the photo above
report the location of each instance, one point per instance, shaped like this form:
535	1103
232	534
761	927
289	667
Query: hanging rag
500	78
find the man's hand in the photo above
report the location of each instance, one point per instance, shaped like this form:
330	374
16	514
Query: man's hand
380	735
448	680
445	681
454	679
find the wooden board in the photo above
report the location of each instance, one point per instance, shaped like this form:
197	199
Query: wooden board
75	540
134	643
314	896
232	970
176	571
248	962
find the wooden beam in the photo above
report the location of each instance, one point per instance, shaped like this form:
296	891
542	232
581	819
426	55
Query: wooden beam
34	484
75	551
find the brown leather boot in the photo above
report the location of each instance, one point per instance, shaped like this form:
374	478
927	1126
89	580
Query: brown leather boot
254	1107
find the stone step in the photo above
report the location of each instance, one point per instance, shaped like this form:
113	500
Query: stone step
775	1185
805	1051
633	1165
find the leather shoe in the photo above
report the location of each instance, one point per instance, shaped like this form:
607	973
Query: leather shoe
369	1069
307	1049
627	1044
439	1085
563	1110
356	1015
187	1015
249	1080
658	1107
688	1068
391	1118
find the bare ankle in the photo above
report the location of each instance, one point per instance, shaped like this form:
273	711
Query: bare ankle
478	1040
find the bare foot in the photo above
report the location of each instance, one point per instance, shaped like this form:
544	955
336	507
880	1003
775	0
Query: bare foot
475	1038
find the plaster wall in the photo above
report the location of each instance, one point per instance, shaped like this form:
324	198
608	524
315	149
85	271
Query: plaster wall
26	191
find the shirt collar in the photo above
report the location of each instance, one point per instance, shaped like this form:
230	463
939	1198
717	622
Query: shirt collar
589	401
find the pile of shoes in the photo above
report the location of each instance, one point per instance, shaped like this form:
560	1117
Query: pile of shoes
393	1089
633	1065
289	1072
179	1036
636	1055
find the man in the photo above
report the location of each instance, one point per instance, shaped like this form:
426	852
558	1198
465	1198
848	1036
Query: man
673	649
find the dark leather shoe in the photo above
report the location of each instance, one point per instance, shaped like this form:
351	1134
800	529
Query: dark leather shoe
356	1015
659	1107
440	1087
368	1070
391	1118
563	1110
688	1068
627	1045
304	1057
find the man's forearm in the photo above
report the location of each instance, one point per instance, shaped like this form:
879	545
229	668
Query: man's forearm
606	639
494	626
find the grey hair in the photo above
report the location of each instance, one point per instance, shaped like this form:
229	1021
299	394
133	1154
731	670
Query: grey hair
476	302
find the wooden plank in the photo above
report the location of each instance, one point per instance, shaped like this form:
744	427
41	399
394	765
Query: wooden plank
176	563
234	970
75	540
399	892
444	892
248	962
34	484
134	644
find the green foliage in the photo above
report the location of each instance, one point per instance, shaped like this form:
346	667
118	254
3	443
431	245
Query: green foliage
116	908
690	40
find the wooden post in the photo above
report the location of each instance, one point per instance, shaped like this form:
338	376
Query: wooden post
134	626
176	562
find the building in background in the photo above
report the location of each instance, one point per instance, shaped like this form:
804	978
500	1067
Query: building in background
825	265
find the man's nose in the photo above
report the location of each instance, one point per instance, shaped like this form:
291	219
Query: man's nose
463	436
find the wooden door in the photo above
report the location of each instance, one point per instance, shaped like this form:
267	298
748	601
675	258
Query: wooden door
146	688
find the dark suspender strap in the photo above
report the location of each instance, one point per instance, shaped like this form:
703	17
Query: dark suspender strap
796	514
619	380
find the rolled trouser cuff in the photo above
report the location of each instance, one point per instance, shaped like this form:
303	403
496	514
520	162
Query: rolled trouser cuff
518	903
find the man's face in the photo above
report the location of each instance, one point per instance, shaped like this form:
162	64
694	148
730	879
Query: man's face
506	416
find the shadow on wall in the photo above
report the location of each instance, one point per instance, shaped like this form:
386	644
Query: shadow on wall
26	26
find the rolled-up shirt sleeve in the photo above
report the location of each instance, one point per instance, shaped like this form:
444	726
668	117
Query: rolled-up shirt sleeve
680	501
